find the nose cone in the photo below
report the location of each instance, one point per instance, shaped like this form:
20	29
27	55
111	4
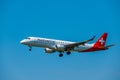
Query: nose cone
22	42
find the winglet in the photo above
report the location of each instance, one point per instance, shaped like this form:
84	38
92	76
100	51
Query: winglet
92	38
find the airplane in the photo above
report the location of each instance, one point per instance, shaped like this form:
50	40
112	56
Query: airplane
53	45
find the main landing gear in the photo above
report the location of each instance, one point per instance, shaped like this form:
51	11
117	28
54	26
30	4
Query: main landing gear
68	53
61	54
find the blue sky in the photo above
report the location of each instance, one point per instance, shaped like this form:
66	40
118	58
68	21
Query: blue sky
72	20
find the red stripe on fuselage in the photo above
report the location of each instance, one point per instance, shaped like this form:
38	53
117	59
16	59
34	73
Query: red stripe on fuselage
94	49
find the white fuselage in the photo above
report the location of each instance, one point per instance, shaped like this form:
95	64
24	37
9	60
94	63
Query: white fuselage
57	45
52	45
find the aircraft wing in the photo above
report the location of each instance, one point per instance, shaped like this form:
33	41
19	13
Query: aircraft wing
69	46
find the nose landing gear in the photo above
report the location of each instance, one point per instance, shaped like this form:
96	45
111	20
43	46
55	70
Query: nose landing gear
30	48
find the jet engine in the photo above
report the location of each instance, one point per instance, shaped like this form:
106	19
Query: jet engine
48	50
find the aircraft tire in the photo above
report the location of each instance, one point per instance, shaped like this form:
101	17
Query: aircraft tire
68	53
60	55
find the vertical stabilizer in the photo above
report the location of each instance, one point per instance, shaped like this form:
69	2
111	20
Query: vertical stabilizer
101	41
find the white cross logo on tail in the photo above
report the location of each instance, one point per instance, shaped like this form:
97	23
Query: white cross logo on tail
101	41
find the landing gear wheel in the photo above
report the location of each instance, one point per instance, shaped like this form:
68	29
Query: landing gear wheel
68	53
60	55
30	49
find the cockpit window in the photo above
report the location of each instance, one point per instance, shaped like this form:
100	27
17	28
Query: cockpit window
28	38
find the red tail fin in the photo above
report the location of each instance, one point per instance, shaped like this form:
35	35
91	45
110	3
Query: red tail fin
101	41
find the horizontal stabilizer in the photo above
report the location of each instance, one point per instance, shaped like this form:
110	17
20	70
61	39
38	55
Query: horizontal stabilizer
106	47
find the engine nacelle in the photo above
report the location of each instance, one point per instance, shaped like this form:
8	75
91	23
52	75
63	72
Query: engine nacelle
48	50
